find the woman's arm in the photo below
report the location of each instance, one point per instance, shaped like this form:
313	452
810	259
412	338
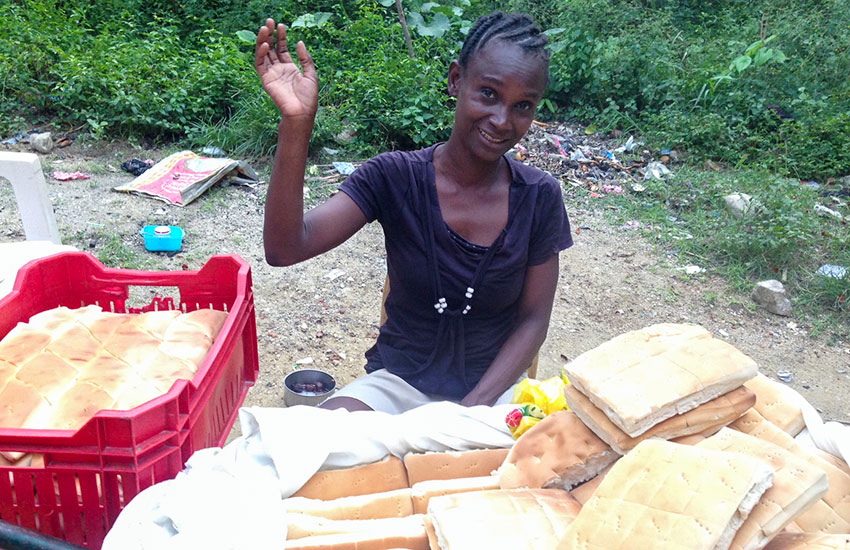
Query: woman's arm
516	354
290	236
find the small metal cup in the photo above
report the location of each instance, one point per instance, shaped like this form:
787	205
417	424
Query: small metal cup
307	376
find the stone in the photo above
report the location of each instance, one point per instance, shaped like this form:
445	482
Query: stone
740	204
43	143
771	294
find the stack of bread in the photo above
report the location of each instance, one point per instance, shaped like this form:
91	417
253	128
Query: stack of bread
662	397
64	365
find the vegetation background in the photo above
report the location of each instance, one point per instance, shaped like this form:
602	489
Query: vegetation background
760	87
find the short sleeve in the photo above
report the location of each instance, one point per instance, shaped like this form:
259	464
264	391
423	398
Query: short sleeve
550	231
379	186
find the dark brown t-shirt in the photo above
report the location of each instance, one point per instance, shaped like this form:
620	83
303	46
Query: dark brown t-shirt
447	353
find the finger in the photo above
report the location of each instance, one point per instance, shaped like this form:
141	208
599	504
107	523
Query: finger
306	60
282	46
265	44
261	51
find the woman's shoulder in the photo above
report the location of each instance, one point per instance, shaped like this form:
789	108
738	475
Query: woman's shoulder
402	158
525	174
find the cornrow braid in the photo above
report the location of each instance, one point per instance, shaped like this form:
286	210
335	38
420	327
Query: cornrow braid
516	28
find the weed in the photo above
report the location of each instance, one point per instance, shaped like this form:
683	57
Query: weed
116	253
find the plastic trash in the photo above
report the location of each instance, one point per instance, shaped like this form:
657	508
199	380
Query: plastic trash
578	156
68	176
344	168
824	211
784	375
833	271
162	238
629	146
137	167
655	170
213	151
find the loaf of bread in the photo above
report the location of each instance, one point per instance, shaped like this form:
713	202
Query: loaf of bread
666	496
453	464
375	534
557	452
388	504
809	541
796	487
386	475
643	377
831	514
520	519
710	416
424	491
777	404
64	365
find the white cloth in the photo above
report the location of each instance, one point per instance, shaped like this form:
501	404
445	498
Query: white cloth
384	391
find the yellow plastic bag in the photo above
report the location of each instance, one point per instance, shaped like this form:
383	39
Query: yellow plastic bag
521	419
536	399
546	394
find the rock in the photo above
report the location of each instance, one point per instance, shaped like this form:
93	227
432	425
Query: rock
771	294
43	143
740	204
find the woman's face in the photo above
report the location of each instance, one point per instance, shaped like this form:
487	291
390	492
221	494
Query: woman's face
498	91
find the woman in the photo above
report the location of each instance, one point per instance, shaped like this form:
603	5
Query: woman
472	236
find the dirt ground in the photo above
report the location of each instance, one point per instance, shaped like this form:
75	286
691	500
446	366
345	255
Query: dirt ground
325	312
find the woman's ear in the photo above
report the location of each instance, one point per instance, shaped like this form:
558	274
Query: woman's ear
454	78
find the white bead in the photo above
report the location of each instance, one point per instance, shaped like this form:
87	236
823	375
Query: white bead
437	305
470	289
469	295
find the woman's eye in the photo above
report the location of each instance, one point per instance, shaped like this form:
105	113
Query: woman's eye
488	93
524	106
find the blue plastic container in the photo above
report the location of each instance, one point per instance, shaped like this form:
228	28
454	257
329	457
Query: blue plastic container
162	238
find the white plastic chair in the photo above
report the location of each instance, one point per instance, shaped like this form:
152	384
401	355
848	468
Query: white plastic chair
23	170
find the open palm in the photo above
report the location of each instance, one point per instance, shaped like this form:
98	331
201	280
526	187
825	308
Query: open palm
295	93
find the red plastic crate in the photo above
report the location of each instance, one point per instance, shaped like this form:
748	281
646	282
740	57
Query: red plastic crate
91	474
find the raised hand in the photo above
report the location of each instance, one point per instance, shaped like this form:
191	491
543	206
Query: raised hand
295	93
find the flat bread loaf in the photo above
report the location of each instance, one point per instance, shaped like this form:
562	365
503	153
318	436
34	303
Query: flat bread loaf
777	404
645	376
520	519
557	452
453	464
796	487
386	475
64	365
809	541
831	514
714	414
663	495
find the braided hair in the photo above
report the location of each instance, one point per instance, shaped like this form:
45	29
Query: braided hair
516	28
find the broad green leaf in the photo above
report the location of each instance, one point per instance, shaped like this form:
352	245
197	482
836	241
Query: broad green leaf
590	129
741	63
428	6
555	47
249	37
438	27
553	32
762	56
386	3
311	19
